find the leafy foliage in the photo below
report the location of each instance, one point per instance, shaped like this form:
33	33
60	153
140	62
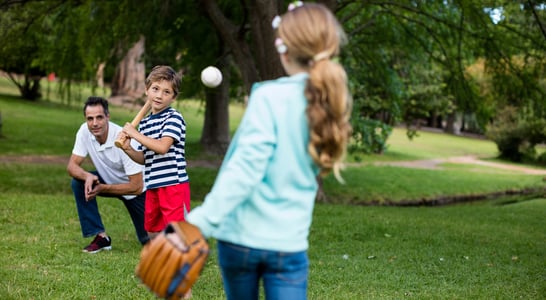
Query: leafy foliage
407	61
369	135
515	136
21	54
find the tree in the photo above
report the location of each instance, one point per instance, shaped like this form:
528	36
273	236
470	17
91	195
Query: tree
215	137
423	48
246	38
128	80
513	73
19	56
406	60
517	68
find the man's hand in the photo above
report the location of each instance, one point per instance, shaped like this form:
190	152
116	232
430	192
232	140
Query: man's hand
92	187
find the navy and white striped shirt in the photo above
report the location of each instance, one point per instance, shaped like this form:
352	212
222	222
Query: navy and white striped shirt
170	168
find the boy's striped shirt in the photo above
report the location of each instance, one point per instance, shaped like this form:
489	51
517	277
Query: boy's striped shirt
169	168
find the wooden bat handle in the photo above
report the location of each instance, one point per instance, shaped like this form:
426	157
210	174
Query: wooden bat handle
140	115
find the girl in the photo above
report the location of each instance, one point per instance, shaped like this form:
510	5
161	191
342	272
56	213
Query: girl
295	128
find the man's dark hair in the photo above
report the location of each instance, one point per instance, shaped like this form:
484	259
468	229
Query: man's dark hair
93	100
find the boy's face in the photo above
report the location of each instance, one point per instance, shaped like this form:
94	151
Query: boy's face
161	95
97	122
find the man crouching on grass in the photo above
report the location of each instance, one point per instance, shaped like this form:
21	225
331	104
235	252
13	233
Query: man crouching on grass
116	176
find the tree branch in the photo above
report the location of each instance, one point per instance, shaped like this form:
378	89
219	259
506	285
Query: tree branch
532	6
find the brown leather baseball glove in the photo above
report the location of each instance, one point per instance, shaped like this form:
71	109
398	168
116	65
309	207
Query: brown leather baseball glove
172	261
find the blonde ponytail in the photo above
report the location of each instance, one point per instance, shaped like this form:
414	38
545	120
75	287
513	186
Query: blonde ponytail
311	35
328	111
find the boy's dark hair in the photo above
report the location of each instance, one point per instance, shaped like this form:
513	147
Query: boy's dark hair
93	100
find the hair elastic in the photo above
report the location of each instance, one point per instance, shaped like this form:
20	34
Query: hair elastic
321	55
294	4
276	22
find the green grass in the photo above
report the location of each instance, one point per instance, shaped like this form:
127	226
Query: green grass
387	184
49	128
428	145
37	128
480	250
453	252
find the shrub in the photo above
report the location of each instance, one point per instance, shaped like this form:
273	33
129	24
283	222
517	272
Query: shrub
515	136
542	158
369	135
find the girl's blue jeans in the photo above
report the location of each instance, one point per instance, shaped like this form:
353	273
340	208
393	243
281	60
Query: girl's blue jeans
90	218
284	274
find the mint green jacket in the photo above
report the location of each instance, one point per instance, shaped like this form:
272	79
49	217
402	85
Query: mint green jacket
264	193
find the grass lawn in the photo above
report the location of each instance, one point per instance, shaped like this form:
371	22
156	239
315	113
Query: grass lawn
429	145
491	249
479	251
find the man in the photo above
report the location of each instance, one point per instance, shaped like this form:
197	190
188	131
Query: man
116	175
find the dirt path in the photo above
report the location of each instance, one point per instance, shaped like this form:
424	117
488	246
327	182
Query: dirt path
468	160
63	160
422	164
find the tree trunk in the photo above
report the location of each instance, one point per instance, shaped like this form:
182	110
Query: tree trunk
31	88
263	38
128	82
99	76
259	61
215	136
254	63
453	124
432	120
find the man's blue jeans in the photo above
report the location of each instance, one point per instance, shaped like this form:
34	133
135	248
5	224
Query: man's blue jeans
284	274
90	219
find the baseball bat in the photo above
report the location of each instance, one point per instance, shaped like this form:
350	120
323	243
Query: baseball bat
140	115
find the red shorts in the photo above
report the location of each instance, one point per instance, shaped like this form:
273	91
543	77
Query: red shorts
166	204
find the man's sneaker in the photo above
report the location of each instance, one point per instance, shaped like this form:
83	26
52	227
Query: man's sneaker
98	244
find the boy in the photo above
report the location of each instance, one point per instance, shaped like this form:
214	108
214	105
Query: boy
162	137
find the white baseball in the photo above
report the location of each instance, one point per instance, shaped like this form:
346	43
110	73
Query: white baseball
211	77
